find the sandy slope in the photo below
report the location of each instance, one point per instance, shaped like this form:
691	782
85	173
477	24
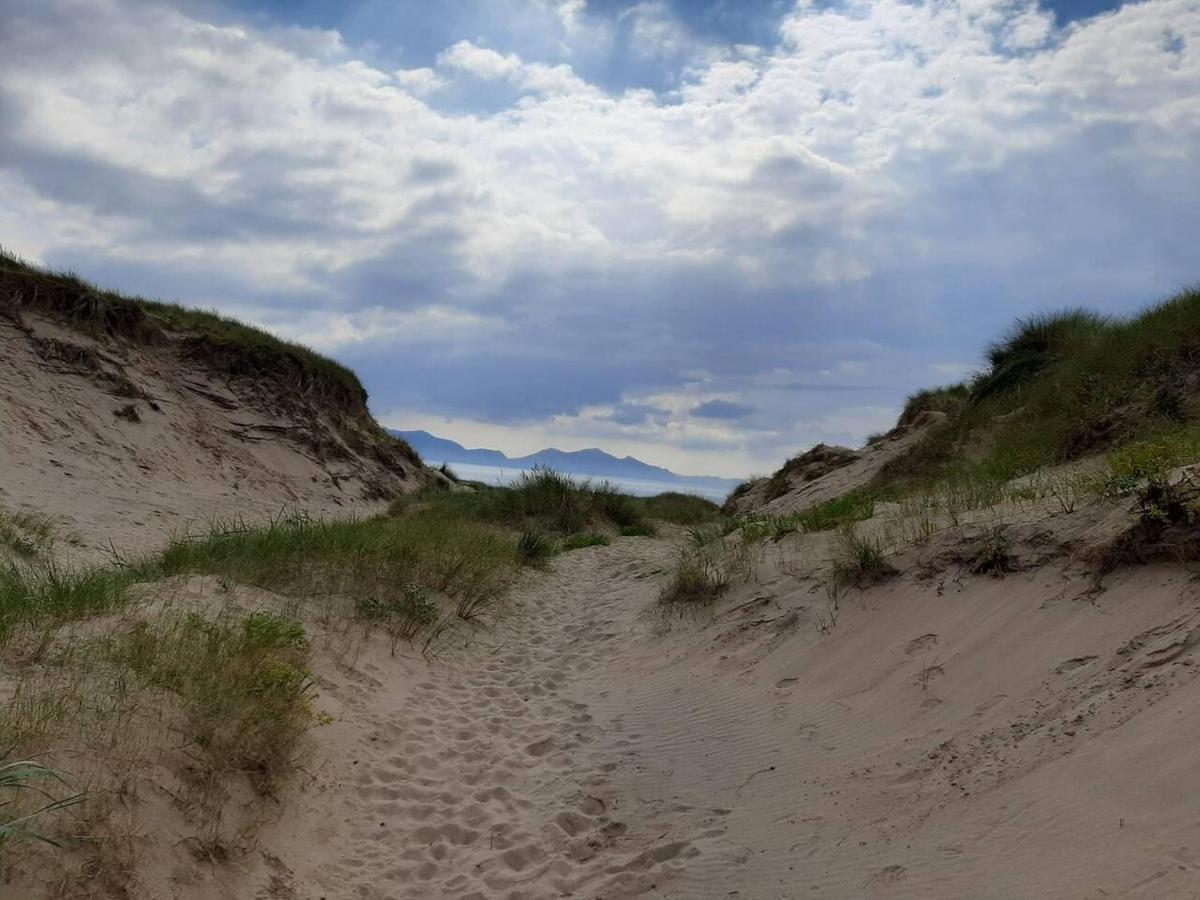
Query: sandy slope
200	448
949	737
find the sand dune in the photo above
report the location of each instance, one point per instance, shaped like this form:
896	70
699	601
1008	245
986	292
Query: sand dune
127	443
951	736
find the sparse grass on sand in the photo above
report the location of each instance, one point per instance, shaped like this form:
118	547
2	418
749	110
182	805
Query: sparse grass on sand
22	781
90	668
26	535
705	567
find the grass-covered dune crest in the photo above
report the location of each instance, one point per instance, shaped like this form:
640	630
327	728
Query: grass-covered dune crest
1057	387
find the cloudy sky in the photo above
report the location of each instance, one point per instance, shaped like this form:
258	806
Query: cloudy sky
706	232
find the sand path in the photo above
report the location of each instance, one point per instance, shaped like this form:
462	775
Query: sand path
494	777
928	747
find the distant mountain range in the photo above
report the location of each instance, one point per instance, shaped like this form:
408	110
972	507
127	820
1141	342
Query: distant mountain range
590	463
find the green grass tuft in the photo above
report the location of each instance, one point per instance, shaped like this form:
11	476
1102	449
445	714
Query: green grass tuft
535	547
579	541
857	561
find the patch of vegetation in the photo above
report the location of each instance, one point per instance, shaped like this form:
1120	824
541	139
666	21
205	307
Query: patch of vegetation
853	506
1155	455
1034	345
808	466
380	557
26	535
705	567
640	529
858	561
729	506
18	780
243	684
404	617
948	399
535	547
678	508
990	554
1063	385
579	541
1168	528
52	593
541	499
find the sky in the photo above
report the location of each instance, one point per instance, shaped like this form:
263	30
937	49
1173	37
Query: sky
703	232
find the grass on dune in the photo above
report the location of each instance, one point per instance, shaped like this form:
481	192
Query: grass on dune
705	567
1060	386
579	541
243	684
380	557
227	347
22	780
853	506
677	508
544	500
26	535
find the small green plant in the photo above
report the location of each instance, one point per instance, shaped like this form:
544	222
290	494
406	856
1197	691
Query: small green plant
857	561
991	554
405	616
579	541
534	547
23	777
1163	503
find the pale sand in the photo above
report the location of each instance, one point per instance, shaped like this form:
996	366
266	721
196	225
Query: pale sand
985	738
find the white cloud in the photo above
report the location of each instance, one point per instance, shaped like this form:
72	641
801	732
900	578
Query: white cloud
480	61
331	332
420	81
887	163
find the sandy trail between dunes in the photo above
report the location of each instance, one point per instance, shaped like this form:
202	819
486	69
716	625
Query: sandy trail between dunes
1007	739
494	777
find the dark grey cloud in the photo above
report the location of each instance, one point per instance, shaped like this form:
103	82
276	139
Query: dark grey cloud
722	409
